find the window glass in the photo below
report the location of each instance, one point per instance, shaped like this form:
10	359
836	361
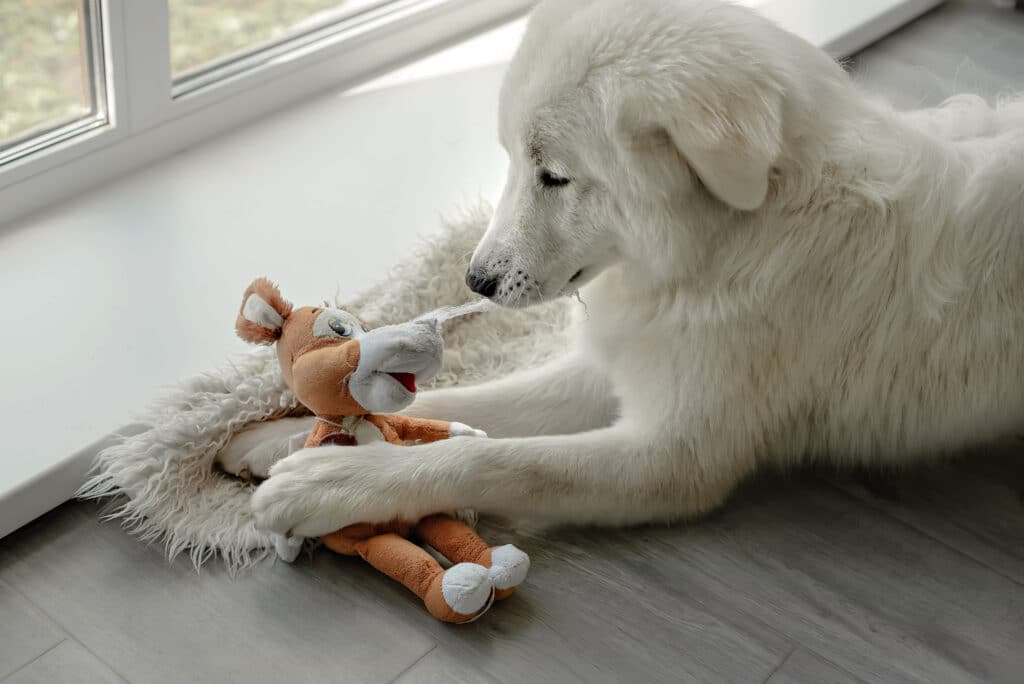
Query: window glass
208	32
46	67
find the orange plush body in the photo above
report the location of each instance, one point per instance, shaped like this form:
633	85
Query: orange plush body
341	371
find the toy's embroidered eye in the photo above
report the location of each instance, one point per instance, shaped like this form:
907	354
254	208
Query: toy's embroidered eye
339	327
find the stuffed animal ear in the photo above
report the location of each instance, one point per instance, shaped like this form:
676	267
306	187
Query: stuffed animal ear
263	312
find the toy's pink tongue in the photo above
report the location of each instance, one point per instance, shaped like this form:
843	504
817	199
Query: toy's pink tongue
407	380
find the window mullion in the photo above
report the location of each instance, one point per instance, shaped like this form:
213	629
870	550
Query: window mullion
146	61
116	86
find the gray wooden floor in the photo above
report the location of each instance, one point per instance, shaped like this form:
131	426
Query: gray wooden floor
815	578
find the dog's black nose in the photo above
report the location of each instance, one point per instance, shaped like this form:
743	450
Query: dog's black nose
481	283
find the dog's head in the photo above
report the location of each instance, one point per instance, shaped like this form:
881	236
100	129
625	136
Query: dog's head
616	114
335	366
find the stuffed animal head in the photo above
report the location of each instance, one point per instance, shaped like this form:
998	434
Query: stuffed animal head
333	364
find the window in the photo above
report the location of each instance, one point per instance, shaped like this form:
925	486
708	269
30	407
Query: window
208	34
90	89
51	84
214	39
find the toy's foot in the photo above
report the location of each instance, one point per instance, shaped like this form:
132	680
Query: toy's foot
509	566
465	593
287	548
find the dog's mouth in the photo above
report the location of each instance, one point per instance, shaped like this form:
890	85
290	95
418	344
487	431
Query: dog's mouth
406	380
584	276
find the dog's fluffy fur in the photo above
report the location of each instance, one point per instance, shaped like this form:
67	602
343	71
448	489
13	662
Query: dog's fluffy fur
775	268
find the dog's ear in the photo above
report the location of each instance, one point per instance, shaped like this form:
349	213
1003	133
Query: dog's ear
730	139
261	318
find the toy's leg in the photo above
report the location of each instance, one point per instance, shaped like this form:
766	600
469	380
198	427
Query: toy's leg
459	543
287	548
459	594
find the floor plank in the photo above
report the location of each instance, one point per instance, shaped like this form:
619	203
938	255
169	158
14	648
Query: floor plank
962	46
974	505
67	663
865	591
805	667
442	667
25	632
160	622
582	616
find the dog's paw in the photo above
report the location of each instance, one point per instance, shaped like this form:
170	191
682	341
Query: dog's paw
317	491
463	430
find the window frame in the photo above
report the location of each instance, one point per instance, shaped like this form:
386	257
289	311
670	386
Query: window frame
53	132
148	118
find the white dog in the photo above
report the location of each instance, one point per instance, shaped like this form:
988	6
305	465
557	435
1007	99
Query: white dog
776	269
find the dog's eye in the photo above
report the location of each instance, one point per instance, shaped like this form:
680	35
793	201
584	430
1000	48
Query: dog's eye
550	180
339	327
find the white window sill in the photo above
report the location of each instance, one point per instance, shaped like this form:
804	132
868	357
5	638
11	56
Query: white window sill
127	289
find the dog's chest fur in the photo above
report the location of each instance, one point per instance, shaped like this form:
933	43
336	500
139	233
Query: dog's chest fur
647	338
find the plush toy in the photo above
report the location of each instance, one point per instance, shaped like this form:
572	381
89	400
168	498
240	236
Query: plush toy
352	378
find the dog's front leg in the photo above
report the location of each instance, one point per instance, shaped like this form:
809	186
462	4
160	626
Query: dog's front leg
561	397
614	475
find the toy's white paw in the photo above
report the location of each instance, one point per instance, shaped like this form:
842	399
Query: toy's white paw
509	566
317	491
463	430
252	452
287	548
466	588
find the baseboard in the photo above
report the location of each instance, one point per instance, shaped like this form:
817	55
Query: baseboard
842	27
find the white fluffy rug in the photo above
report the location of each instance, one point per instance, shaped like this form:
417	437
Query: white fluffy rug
166	486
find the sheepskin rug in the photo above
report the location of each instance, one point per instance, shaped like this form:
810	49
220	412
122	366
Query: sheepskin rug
162	482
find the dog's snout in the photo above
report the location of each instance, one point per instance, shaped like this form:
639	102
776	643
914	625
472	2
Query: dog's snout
481	283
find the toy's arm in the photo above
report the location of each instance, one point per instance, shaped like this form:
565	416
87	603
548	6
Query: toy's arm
317	434
424	430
